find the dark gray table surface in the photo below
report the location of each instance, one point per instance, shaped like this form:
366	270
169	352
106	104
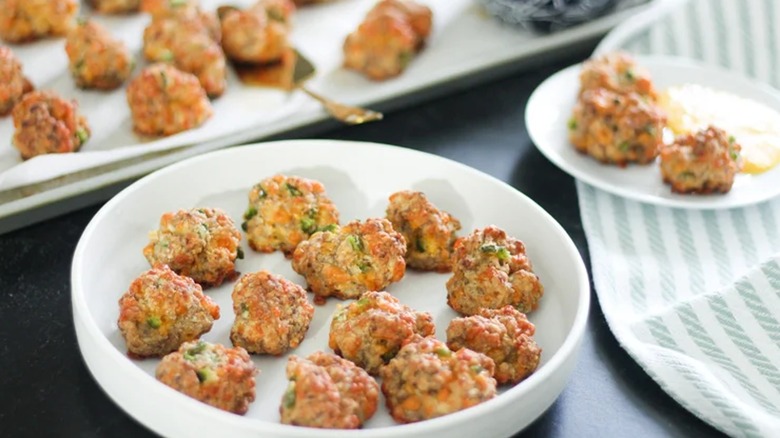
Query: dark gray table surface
46	390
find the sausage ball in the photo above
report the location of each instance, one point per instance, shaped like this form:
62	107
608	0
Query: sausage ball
211	373
161	310
491	270
284	211
256	35
45	123
429	232
616	128
381	47
97	60
13	84
115	6
616	72
427	380
360	257
328	392
371	330
701	162
28	20
201	243
504	335
272	314
164	101
417	15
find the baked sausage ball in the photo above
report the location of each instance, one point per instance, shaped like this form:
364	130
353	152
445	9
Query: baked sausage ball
285	210
164	101
272	314
161	310
504	335
328	392
13	84
211	373
97	60
616	72
429	232
381	47
419	16
491	270
701	162
359	257
115	6
201	243
45	123
28	20
427	380
371	330
616	128
257	34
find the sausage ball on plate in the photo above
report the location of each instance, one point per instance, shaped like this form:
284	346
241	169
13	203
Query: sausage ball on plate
164	101
211	373
328	392
504	335
45	123
13	84
272	314
359	257
253	36
371	330
427	380
115	6
701	162
201	243
616	72
381	47
285	210
429	232
491	270
616	128
27	20
417	15
97	60
161	310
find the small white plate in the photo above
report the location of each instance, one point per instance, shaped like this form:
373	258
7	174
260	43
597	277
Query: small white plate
551	104
359	177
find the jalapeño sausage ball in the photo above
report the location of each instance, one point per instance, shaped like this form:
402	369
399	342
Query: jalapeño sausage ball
162	310
27	20
97	60
504	335
616	72
272	314
429	232
427	380
328	392
257	34
371	330
285	210
115	6
419	16
165	101
13	84
45	123
201	243
211	373
491	270
359	257
381	47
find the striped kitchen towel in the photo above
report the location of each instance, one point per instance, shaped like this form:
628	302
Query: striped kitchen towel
694	296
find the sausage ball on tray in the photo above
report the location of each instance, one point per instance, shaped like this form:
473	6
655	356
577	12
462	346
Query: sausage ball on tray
701	162
164	101
419	16
491	270
345	263
326	391
201	243
161	310
13	83
504	335
381	47
285	210
115	6
28	20
97	60
427	380
45	123
211	373
256	35
272	314
371	330
429	232
616	72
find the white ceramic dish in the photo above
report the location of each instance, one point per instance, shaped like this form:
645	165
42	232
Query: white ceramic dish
359	177
550	107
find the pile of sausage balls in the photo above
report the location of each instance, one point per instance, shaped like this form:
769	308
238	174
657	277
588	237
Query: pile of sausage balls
186	50
492	286
617	120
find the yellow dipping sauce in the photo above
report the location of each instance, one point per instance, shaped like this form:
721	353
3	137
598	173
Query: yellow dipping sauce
755	126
